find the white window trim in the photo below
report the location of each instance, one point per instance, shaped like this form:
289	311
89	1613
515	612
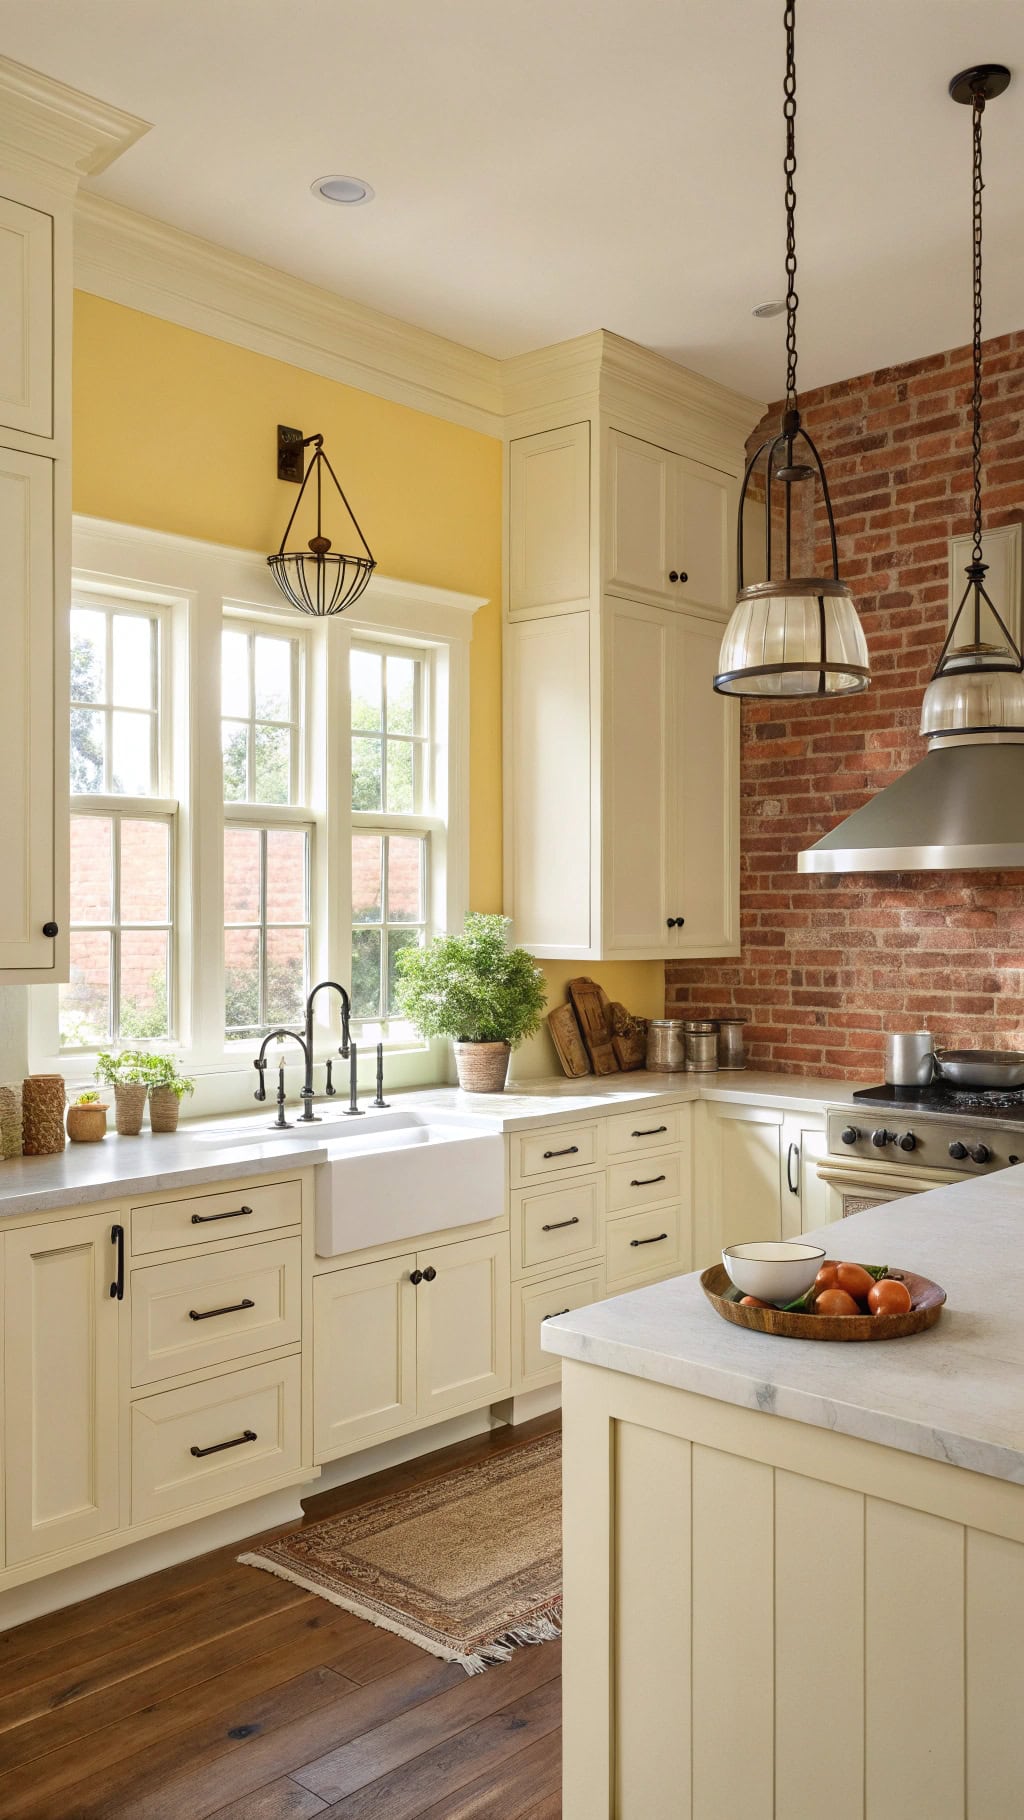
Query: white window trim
198	582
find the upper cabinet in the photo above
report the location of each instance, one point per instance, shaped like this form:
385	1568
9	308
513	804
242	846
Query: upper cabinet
621	763
26	319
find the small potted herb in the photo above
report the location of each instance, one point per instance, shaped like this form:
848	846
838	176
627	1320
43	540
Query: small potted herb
87	1118
475	989
167	1089
128	1074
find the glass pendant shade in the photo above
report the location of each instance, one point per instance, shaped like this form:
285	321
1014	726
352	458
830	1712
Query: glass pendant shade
793	638
976	687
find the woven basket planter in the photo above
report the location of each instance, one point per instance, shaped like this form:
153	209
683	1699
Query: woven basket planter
42	1106
482	1067
87	1124
10	1118
164	1109
129	1106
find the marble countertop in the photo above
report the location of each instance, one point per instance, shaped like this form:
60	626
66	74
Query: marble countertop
954	1393
530	1103
121	1166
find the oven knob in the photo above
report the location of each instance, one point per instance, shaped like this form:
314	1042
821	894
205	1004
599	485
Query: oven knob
880	1138
980	1153
851	1134
908	1141
958	1151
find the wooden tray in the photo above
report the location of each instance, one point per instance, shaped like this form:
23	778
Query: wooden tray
926	1306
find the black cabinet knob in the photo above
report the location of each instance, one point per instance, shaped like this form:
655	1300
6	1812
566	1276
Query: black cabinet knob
415	1276
908	1141
678	575
676	922
980	1153
51	929
957	1151
851	1134
429	1274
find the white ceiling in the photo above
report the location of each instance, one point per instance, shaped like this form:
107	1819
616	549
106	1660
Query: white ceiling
545	167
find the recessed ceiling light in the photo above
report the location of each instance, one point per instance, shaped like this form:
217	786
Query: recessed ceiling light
774	307
349	190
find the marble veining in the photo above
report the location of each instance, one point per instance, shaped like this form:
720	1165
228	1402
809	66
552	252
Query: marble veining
953	1394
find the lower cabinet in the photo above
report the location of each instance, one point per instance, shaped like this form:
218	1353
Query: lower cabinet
214	1439
61	1385
407	1338
805	1197
757	1176
535	1303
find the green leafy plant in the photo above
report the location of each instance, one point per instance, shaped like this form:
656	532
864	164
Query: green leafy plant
142	1068
472	987
163	1072
89	1098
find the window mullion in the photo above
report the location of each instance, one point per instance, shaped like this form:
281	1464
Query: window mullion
262	943
382	999
115	930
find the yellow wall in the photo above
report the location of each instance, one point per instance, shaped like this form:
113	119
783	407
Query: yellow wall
175	430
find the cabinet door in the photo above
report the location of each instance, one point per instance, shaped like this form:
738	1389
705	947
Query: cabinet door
703	849
549	519
27	824
641	497
26	318
548	805
364	1355
704	533
740	1175
640	661
462	1324
61	1395
805	1197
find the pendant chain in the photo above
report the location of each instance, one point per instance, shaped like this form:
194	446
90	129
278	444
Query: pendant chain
977	110
789	166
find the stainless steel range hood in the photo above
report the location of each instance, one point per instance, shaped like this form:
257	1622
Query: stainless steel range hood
961	808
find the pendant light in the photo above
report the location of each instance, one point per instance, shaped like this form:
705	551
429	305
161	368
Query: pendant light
318	579
977	688
791	635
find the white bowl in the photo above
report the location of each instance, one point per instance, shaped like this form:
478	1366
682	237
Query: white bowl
774	1270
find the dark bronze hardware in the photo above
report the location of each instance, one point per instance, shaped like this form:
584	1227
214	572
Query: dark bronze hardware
980	1153
117	1286
429	1274
655	1241
380	1101
232	1308
555	1312
794	1151
415	1276
556	1225
678	575
200	1453
676	922
654	1131
290	447
646	1181
572	1151
51	929
206	1219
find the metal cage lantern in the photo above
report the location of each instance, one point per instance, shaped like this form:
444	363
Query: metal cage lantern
319	580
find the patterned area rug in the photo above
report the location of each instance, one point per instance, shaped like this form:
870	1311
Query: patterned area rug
469	1566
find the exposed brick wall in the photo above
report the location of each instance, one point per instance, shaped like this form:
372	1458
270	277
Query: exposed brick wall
829	964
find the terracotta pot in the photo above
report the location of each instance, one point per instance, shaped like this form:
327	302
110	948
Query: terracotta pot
42	1101
164	1109
129	1106
482	1067
87	1124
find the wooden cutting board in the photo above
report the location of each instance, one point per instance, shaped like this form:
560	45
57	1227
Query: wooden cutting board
590	1004
568	1041
629	1038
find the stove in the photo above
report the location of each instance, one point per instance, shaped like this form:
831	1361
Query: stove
940	1097
958	1131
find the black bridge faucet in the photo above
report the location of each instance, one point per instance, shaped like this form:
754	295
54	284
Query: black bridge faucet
308	1092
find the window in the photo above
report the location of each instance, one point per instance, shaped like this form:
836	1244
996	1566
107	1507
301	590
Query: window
389	898
122	835
266	856
389	736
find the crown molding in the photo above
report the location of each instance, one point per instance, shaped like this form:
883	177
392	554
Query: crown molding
56	133
162	270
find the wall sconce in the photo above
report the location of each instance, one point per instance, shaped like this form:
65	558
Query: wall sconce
316	580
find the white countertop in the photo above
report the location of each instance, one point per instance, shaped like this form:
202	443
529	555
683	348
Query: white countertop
530	1103
121	1166
954	1393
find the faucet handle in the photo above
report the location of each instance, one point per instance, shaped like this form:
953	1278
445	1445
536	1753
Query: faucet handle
261	1068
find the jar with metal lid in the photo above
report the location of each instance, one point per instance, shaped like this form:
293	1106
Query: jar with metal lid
701	1036
732	1052
666	1049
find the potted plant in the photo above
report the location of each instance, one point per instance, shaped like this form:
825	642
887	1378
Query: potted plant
167	1089
475	989
128	1074
87	1118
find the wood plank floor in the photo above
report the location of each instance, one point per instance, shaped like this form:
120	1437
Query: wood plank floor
211	1689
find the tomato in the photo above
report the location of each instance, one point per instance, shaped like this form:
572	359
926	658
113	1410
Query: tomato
855	1280
751	1301
836	1301
889	1296
826	1277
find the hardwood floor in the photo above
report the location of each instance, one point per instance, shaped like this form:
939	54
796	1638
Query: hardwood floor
212	1689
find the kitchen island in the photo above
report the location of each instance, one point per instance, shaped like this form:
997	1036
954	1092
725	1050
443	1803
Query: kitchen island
794	1575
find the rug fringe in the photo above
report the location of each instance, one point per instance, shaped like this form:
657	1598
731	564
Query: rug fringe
545	1628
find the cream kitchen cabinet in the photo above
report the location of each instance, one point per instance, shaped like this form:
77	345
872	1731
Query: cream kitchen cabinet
61	1398
26	320
671	525
756	1175
805	1197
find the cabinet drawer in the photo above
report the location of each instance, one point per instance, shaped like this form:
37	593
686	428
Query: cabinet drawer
231	1213
532	1305
631	1132
638	1183
552	1223
215	1439
644	1244
208	1310
552	1152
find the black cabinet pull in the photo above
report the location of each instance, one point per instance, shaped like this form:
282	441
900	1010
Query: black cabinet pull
204	1219
555	1312
573	1150
678	575
556	1225
200	1453
117	1286
655	1131
429	1274
51	929
415	1276
647	1181
655	1241
794	1151
208	1313
676	922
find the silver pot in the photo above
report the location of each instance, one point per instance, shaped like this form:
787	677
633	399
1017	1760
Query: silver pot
980	1067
